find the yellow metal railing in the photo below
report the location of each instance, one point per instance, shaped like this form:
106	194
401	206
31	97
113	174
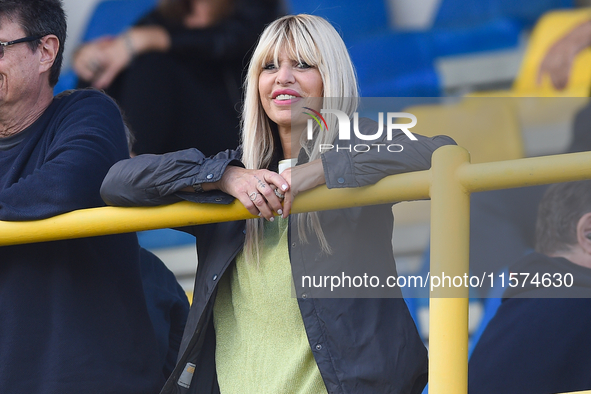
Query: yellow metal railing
448	183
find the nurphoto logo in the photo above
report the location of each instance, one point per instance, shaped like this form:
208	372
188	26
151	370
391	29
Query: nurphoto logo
345	129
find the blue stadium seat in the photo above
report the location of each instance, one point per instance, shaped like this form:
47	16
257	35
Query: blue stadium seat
164	238
388	64
395	63
475	37
68	80
351	17
526	12
469	26
111	17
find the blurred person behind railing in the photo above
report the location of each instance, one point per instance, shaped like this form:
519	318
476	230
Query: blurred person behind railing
537	342
502	222
177	73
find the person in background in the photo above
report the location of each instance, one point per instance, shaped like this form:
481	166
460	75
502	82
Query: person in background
537	342
246	332
502	222
73	314
168	307
177	73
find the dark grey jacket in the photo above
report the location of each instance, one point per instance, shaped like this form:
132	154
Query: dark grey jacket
361	345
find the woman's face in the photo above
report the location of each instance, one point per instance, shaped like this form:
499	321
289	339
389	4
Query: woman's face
283	85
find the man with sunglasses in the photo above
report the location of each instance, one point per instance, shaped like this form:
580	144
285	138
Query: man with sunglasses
73	317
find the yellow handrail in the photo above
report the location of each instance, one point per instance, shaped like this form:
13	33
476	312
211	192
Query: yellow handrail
115	220
449	183
579	392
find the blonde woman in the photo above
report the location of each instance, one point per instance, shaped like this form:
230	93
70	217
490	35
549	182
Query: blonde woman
246	333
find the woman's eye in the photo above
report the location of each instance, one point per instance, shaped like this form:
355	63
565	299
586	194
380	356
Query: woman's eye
304	65
269	66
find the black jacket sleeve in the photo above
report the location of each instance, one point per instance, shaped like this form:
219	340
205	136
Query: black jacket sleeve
352	166
155	179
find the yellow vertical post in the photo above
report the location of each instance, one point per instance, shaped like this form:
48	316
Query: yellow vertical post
448	310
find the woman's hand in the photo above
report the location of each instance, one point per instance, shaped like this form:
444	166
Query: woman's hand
301	178
255	189
261	191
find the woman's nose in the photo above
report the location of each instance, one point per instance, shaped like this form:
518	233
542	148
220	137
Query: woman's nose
285	75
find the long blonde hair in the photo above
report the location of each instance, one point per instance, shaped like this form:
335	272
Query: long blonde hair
313	40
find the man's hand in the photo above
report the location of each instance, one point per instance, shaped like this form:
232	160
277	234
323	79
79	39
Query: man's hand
100	61
88	59
114	59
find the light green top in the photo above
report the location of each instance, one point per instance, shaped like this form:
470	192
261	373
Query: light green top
261	343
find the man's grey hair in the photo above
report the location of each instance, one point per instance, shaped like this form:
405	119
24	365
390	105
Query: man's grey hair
559	212
39	18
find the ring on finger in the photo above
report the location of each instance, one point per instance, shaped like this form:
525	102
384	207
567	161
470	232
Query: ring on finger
253	196
279	194
93	65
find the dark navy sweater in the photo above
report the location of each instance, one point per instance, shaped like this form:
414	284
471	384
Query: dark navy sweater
537	343
73	317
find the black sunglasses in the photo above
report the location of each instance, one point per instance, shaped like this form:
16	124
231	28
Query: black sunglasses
25	39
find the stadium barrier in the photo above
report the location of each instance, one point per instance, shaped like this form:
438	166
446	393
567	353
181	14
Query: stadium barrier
449	183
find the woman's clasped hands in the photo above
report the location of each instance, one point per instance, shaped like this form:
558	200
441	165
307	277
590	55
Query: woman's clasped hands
264	193
258	190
